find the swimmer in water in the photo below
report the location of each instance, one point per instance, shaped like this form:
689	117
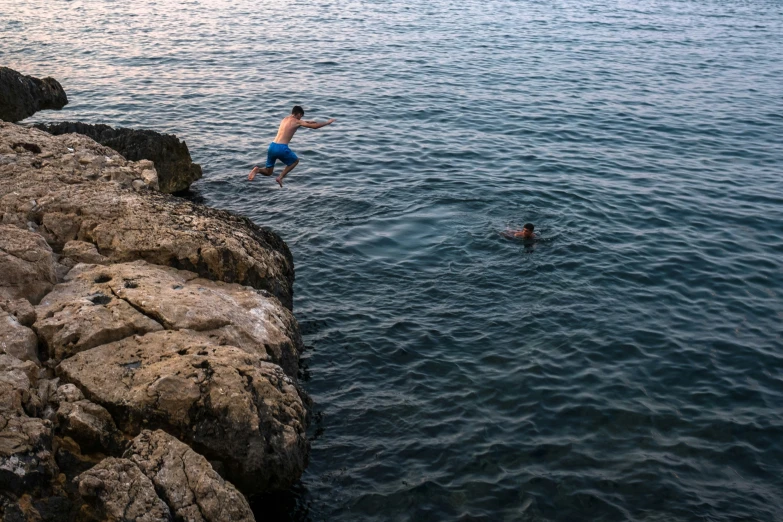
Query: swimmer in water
278	149
525	233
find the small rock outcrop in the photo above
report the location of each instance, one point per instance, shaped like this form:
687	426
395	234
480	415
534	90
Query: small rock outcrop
186	481
176	170
22	96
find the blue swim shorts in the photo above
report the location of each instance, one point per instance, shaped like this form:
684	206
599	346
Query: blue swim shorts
279	151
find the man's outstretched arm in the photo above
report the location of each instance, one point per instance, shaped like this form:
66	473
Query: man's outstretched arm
315	125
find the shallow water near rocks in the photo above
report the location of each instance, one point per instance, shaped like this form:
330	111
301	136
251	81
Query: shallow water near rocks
627	366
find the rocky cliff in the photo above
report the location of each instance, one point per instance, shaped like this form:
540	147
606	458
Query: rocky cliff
148	353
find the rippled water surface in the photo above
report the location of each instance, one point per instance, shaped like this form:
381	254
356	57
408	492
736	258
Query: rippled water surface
629	365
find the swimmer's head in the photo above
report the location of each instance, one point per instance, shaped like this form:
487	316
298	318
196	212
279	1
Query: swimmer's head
527	230
297	111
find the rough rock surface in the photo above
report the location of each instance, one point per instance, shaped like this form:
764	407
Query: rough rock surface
176	345
117	490
27	264
186	481
26	460
176	170
82	314
17	340
38	157
81	252
19	308
100	304
62	204
90	426
226	403
22	96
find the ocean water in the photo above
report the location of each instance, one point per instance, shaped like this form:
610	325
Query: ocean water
627	366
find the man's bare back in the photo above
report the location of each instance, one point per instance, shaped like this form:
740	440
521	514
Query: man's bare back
278	149
288	126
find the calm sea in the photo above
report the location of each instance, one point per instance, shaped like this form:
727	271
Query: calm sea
627	366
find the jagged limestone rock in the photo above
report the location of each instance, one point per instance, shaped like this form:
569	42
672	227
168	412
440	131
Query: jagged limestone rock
101	304
20	308
186	481
27	264
90	426
75	252
40	157
17	340
26	460
62	204
116	490
228	404
81	314
176	170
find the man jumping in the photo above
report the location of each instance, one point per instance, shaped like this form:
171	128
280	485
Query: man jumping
278	149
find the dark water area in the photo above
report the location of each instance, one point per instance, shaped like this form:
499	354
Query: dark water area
627	366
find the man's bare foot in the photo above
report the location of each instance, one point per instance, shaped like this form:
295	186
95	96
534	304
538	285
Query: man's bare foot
279	181
253	173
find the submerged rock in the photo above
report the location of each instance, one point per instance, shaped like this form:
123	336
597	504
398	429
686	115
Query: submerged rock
176	170
22	96
227	404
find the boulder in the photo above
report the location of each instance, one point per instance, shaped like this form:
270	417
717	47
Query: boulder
26	459
186	481
17	340
22	96
90	426
39	157
100	304
81	252
117	490
67	393
63	205
227	404
176	170
27	264
19	381
20	308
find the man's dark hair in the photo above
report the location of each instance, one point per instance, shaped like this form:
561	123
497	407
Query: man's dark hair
529	226
297	110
